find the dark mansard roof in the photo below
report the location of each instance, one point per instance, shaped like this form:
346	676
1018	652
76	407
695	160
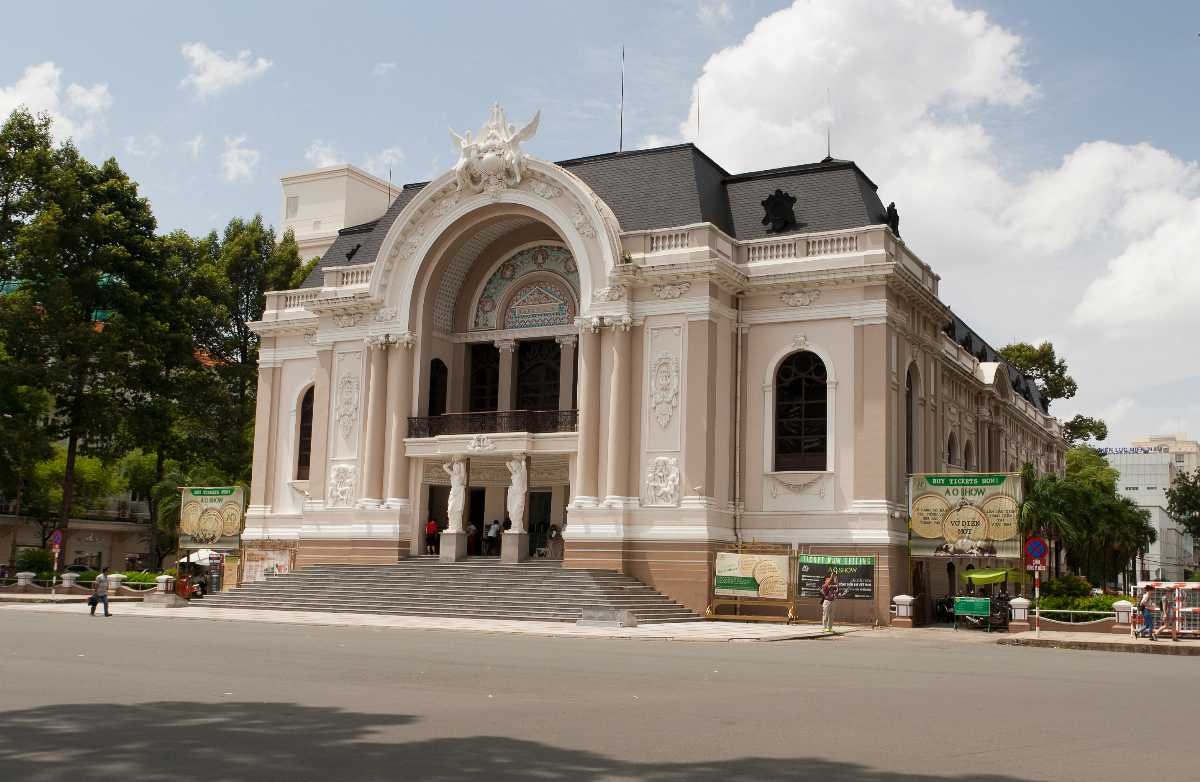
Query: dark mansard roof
677	185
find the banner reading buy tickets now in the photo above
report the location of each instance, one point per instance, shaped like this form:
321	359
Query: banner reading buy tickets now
965	515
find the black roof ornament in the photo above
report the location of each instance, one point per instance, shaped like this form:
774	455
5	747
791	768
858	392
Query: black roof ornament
778	212
892	218
350	253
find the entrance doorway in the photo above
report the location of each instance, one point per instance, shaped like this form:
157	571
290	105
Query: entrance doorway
475	517
537	374
539	520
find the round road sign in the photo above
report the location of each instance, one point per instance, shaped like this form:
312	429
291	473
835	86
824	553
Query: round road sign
1036	548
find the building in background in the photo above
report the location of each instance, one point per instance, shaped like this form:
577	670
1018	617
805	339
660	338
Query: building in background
318	204
1146	474
116	533
1185	453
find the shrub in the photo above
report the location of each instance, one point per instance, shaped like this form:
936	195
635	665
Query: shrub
34	560
137	577
1067	586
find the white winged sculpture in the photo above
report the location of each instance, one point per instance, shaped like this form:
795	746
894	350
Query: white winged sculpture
493	160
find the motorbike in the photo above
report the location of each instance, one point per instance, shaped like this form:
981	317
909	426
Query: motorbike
997	619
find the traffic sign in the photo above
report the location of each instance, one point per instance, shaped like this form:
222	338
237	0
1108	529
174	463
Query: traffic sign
56	538
1036	553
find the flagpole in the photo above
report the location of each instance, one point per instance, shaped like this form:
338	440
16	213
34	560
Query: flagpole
621	137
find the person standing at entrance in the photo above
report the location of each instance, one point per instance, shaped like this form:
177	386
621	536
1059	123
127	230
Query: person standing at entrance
1146	604
493	538
431	536
829	593
100	592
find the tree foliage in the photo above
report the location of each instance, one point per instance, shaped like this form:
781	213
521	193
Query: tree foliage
1183	500
1042	364
1082	429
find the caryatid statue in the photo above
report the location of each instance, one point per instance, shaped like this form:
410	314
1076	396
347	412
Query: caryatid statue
456	468
519	470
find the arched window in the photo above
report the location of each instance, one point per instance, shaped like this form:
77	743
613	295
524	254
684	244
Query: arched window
910	438
801	437
969	455
304	446
438	378
952	449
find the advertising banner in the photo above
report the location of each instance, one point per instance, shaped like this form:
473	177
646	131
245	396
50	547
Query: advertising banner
856	575
751	575
210	517
965	515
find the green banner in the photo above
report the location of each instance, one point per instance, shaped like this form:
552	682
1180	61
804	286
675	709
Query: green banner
973	606
738	582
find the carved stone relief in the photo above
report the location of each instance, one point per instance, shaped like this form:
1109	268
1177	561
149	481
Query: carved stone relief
800	342
347	403
812	485
341	486
544	189
582	223
664	384
611	293
800	298
493	160
345	320
481	442
662	482
672	290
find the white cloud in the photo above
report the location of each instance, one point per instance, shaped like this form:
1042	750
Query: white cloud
712	12
77	113
147	146
383	68
321	154
195	144
237	161
1093	253
211	72
379	163
655	140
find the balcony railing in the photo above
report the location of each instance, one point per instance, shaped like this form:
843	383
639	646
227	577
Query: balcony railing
534	421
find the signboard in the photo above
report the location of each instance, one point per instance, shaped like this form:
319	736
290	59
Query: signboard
1036	552
856	575
751	575
210	517
973	606
965	515
56	538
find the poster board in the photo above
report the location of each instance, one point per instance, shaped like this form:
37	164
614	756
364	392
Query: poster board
856	575
965	515
211	517
764	576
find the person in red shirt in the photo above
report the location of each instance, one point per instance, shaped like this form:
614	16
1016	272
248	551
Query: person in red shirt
431	536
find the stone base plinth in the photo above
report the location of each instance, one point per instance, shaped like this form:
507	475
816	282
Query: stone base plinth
902	621
514	547
1019	627
453	547
165	600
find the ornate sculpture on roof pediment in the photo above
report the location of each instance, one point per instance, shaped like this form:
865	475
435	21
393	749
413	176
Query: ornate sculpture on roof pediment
493	160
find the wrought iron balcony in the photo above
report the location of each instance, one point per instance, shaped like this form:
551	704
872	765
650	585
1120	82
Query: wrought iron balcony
534	421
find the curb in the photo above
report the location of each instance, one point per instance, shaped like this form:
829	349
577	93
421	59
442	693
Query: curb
1155	647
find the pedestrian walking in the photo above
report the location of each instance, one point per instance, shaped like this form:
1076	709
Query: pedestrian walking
431	536
829	593
100	592
1167	625
493	538
1146	604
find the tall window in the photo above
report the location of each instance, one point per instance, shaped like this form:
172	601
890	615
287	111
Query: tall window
801	423
485	377
952	449
910	440
304	449
438	377
538	362
969	455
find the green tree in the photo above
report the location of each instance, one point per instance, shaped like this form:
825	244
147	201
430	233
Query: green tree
1183	500
1044	366
94	481
1082	429
75	263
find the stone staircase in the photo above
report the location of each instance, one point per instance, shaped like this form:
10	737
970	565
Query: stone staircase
481	588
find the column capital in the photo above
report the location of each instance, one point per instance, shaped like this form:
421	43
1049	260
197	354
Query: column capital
592	324
506	345
566	340
619	322
405	339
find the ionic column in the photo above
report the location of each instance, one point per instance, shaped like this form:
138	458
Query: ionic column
318	463
587	461
399	404
376	405
566	369
263	435
617	471
507	347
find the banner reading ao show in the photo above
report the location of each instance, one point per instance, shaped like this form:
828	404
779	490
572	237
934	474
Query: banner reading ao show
210	517
965	515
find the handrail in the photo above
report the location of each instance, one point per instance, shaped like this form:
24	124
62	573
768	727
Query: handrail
491	422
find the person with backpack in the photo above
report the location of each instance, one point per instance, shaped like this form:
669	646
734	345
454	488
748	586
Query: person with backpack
829	593
100	592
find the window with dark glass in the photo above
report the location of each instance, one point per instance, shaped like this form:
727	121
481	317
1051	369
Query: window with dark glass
538	362
304	449
800	413
485	377
438	377
910	444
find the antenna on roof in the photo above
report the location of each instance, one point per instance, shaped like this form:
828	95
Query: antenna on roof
389	203
621	138
829	125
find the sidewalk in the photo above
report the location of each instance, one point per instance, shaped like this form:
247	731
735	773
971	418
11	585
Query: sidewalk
1102	643
682	631
6	598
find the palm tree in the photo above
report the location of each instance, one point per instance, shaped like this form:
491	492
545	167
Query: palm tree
1043	510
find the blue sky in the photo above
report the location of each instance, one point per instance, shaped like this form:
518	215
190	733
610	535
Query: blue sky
1042	154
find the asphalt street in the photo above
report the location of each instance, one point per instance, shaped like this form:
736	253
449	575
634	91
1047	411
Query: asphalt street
139	699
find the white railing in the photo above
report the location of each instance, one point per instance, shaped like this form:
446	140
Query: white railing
831	245
355	275
671	240
772	251
295	300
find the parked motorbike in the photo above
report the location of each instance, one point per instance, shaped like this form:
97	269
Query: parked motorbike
998	618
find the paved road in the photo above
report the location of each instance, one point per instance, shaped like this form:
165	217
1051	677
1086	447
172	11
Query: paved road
138	699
